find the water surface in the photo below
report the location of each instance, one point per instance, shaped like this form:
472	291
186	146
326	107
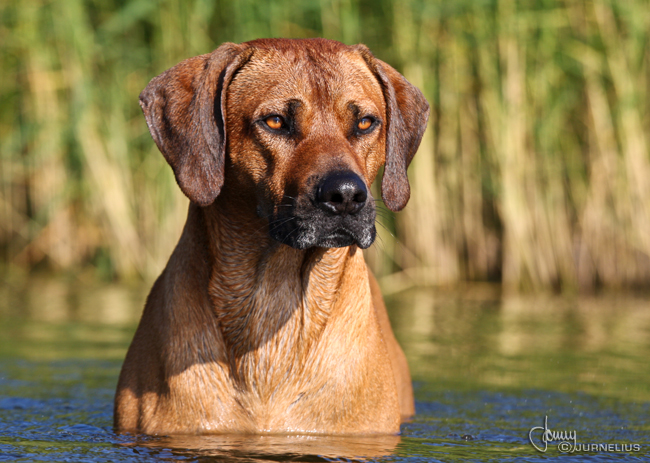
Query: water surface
486	370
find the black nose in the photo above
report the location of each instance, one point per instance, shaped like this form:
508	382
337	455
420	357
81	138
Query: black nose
342	193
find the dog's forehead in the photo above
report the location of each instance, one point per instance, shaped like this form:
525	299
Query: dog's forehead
322	76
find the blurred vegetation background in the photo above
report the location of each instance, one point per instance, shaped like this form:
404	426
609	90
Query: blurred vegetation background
534	171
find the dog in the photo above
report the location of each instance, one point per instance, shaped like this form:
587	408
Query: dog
266	318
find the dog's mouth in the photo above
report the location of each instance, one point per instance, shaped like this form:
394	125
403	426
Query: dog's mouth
338	239
341	237
304	233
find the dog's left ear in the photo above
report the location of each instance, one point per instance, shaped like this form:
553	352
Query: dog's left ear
184	109
407	113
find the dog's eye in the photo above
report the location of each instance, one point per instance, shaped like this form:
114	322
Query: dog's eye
274	122
364	123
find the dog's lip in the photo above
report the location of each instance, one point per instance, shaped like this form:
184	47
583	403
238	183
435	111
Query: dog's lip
337	239
341	237
302	226
339	233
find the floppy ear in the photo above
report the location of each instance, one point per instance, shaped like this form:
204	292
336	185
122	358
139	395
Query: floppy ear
184	108
407	112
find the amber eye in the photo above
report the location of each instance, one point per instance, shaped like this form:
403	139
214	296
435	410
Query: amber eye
364	123
274	122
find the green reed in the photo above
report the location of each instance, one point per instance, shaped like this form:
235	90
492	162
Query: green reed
534	171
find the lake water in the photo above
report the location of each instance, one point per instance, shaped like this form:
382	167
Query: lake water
486	368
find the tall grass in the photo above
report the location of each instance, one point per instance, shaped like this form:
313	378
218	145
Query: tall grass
534	171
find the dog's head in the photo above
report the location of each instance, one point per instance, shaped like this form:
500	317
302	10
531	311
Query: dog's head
299	128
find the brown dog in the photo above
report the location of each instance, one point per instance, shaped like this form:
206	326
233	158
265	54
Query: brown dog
266	318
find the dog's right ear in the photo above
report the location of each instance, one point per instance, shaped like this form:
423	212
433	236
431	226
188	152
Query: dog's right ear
407	112
185	111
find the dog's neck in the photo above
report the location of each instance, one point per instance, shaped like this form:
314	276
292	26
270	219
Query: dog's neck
272	301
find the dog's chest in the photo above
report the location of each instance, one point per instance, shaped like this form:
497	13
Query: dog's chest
286	391
289	354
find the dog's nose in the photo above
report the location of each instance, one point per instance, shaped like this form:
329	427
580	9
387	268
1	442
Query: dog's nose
342	193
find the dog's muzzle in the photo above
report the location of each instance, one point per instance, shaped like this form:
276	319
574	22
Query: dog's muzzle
339	211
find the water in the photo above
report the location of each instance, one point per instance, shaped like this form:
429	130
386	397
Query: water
486	370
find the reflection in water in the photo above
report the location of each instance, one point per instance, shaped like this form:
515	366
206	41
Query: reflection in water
54	319
477	338
58	300
484	365
273	447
